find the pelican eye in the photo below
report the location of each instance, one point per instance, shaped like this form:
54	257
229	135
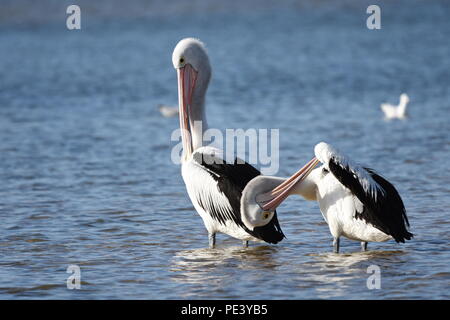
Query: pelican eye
265	215
181	60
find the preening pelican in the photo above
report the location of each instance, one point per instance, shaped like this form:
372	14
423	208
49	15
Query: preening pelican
355	201
214	186
396	112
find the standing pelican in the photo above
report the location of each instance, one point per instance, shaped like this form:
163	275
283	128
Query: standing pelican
214	186
356	202
396	112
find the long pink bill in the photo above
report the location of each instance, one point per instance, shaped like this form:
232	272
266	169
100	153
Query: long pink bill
275	197
187	77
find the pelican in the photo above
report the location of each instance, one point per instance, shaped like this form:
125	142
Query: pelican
213	185
396	112
356	202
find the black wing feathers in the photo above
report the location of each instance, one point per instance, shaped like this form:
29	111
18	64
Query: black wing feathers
386	212
231	181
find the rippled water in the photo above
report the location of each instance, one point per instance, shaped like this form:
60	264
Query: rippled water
85	169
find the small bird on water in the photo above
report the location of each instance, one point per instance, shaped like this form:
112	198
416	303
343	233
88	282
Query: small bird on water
168	111
396	112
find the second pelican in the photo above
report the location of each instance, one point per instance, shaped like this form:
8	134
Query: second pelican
356	202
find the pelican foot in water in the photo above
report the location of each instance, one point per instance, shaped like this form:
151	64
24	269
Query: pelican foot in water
363	246
212	240
336	245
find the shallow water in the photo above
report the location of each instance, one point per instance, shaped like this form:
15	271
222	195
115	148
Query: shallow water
85	169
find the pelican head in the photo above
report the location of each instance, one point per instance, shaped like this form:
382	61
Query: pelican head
263	194
252	212
191	61
191	51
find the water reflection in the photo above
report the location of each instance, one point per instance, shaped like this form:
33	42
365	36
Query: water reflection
330	275
199	266
349	260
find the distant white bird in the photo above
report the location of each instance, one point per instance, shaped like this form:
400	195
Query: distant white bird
396	112
168	111
356	202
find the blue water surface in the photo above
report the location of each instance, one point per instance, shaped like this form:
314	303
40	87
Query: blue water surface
86	176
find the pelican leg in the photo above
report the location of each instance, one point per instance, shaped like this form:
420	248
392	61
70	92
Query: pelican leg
245	243
364	246
336	245
212	240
